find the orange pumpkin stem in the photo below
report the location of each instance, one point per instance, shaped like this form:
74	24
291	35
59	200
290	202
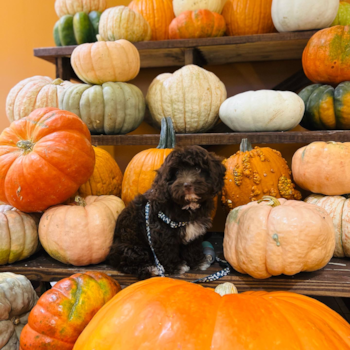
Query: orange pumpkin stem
272	201
80	201
26	145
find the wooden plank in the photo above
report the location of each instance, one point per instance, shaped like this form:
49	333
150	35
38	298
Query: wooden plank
333	280
226	138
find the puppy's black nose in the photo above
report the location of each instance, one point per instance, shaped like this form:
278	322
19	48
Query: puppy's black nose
187	185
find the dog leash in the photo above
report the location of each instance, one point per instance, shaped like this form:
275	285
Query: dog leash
213	277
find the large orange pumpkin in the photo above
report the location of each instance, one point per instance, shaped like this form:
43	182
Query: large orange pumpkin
169	314
44	158
63	312
254	173
197	24
326	59
247	17
158	13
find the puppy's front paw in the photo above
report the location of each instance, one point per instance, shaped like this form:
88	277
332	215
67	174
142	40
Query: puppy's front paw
183	269
154	271
204	265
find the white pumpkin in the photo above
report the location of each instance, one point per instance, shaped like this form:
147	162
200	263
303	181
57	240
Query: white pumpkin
338	208
262	110
294	15
192	5
191	96
71	7
110	108
17	298
32	93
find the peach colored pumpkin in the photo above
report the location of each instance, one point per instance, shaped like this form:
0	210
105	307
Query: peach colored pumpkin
323	167
273	236
71	7
80	233
338	208
106	61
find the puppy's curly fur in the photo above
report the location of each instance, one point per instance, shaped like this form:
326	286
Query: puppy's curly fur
184	189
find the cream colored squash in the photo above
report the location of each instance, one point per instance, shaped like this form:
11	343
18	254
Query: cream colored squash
294	15
71	7
123	23
263	110
17	298
80	233
338	208
106	61
192	5
110	108
191	96
32	93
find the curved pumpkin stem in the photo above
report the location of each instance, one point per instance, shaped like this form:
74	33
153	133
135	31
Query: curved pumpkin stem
245	146
26	145
332	142
272	201
15	320
171	139
163	134
226	288
80	201
57	81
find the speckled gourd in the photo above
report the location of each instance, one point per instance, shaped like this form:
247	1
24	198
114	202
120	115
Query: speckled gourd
110	108
254	173
191	96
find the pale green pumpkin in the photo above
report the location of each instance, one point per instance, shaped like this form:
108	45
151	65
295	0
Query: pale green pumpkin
110	108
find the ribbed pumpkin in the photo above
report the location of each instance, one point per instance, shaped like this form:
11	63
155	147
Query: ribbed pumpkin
271	237
141	171
104	62
343	15
107	177
191	96
71	7
17	298
110	108
181	6
123	23
32	93
18	236
44	159
247	17
63	312
197	24
326	108
254	173
325	58
323	167
169	314
80	233
338	208
158	13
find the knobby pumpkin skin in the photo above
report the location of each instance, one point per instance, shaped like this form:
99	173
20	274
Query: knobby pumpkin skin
106	179
326	108
323	167
168	314
63	312
111	109
197	24
44	159
325	58
32	93
124	23
254	173
80	233
247	17
273	236
343	15
71	7
181	6
338	208
158	13
103	62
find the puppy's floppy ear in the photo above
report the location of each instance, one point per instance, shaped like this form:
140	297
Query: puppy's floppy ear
217	172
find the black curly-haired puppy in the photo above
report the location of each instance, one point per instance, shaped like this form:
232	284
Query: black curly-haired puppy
184	190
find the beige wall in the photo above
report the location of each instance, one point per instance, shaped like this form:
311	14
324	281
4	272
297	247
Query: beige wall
26	24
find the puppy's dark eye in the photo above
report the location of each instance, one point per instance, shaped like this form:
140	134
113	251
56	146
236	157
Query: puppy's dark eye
198	170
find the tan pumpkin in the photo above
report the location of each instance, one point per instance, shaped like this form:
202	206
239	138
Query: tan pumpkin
32	93
80	233
17	298
191	96
338	208
123	23
71	7
107	177
181	6
273	236
102	62
18	236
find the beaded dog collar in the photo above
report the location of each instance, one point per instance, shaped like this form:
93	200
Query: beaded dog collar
173	224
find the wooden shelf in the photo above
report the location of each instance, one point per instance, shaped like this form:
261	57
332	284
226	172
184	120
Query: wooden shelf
333	280
226	138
